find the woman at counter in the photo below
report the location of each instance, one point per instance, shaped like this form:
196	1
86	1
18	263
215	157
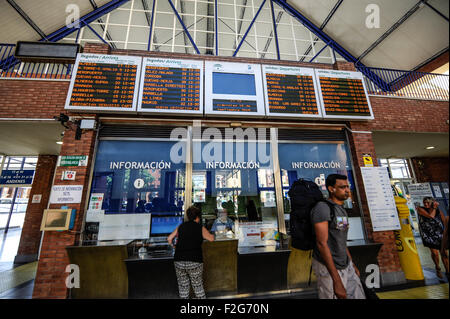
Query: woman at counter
188	258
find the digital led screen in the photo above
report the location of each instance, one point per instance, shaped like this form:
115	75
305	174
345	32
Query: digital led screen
343	95
104	82
163	225
171	86
290	91
233	83
233	89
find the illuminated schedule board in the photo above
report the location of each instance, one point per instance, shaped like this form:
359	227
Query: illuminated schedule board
171	86
104	83
233	89
343	95
290	92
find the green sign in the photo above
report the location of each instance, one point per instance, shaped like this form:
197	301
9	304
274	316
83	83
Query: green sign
74	160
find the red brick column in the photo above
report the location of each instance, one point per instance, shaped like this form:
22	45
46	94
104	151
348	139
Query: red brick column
53	259
361	143
31	234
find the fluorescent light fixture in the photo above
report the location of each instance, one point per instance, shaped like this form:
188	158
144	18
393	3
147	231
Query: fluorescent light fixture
429	147
59	142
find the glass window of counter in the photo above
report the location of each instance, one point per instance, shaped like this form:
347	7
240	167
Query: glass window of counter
314	162
132	181
233	184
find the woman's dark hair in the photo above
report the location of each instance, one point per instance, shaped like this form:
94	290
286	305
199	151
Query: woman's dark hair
331	179
193	212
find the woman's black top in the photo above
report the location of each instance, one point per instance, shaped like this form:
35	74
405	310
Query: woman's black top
431	230
189	243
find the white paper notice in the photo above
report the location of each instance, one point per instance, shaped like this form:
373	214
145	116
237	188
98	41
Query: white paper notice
66	194
124	226
383	211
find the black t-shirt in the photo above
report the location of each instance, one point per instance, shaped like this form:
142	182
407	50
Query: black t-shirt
189	244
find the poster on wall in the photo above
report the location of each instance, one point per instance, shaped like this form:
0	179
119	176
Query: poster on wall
290	92
382	208
257	234
171	86
66	194
343	94
104	83
233	89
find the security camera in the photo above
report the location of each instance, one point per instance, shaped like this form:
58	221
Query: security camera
63	119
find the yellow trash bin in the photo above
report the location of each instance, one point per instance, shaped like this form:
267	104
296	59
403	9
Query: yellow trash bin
406	246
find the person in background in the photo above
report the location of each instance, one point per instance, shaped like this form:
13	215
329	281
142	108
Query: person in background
445	243
337	275
252	213
188	258
431	225
222	222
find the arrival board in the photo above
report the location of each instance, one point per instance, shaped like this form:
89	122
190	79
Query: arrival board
290	92
171	86
104	83
343	95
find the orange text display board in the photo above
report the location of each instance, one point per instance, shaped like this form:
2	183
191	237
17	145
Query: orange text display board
104	82
171	86
343	95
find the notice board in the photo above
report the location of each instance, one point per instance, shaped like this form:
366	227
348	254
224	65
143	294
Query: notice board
104	83
233	89
343	95
290	92
171	86
383	211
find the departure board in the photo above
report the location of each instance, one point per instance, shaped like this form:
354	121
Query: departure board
343	95
290	92
171	86
233	89
104	83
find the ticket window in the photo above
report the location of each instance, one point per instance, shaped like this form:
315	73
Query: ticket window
237	177
132	181
314	162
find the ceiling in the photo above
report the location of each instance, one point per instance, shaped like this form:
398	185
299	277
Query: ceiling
30	138
406	145
420	37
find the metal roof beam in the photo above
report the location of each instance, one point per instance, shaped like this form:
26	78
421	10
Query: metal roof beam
324	23
333	44
399	22
86	19
26	18
436	10
108	36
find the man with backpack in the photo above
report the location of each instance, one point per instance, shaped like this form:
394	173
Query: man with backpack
337	276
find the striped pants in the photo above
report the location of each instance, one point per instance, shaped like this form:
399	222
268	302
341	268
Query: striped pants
190	273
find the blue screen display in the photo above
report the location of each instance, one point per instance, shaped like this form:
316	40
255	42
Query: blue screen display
234	83
162	225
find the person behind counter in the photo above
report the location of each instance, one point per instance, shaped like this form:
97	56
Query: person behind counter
188	258
222	222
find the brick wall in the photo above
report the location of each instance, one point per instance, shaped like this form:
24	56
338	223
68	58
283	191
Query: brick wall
32	99
31	234
360	144
431	169
51	275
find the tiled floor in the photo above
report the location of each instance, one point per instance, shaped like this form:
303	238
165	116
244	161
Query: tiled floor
427	292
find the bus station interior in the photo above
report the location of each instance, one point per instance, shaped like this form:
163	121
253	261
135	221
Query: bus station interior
404	67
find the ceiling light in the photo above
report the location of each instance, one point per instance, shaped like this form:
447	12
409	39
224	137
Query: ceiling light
429	147
59	142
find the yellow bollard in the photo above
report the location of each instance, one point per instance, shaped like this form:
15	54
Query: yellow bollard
406	246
